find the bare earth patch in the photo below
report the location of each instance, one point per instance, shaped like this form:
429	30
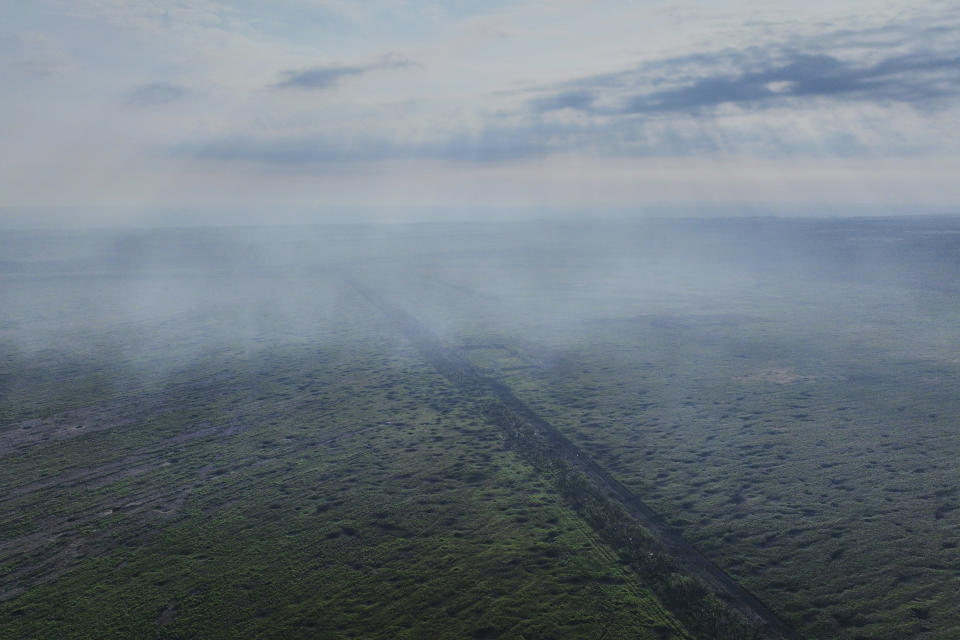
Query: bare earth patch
17	437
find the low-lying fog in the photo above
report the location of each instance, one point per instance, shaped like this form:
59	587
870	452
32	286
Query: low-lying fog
229	286
826	295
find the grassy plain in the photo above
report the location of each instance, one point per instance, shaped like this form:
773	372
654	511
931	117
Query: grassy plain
794	417
252	449
200	475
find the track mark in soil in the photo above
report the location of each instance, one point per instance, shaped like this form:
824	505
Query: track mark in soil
473	384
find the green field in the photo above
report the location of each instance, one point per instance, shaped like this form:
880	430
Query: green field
327	485
249	446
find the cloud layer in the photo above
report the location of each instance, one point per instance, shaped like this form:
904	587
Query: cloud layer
325	77
921	78
202	100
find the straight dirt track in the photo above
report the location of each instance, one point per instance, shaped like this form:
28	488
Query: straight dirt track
470	381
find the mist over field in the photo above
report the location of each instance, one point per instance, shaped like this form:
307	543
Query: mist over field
555	275
781	392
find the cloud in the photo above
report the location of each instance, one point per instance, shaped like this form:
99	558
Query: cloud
156	93
675	126
913	79
325	77
826	93
289	151
761	78
489	142
318	77
581	100
33	55
484	146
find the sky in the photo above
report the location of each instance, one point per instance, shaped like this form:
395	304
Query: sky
210	111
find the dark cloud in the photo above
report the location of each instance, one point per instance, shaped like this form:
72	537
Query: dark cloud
318	77
580	100
325	77
757	78
156	93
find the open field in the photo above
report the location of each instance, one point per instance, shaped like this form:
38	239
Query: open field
798	426
231	439
330	484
